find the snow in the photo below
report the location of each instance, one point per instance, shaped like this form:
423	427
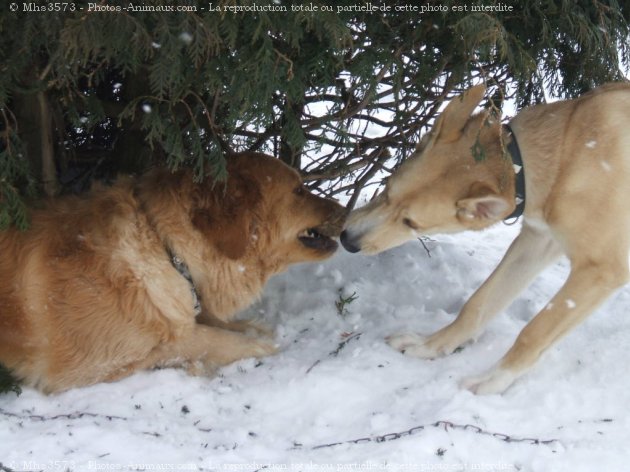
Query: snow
186	37
335	380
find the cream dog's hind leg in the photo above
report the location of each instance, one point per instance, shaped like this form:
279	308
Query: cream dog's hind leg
585	289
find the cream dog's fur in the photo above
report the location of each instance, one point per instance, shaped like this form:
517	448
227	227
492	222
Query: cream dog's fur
576	157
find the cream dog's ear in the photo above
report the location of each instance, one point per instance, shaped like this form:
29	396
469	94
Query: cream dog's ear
483	203
451	123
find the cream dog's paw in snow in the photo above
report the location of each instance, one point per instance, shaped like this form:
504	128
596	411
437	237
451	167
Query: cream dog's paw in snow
494	381
423	347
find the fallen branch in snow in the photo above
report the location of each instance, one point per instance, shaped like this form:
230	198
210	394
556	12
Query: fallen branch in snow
343	344
308	371
446	425
336	352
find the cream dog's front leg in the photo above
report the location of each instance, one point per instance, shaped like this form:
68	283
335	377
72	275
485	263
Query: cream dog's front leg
531	251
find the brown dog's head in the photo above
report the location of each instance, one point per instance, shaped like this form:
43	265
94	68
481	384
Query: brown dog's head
264	210
442	188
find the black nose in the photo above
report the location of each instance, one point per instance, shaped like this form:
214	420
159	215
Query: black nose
348	242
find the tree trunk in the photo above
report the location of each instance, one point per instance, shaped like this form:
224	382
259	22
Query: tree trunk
47	147
34	118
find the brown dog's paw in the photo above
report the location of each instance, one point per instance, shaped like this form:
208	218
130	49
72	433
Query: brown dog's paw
254	328
245	348
201	368
264	348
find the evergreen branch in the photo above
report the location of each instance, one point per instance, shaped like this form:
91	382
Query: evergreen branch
349	111
339	168
262	84
214	128
288	61
8	383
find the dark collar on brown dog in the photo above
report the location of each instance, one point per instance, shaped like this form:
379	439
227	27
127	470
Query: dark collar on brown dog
183	270
519	174
177	262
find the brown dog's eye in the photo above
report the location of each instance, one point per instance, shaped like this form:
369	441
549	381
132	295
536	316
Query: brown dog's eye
411	224
299	190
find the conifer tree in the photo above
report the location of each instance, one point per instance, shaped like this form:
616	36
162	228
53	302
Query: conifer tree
340	90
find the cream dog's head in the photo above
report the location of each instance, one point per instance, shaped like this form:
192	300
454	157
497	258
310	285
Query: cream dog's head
442	188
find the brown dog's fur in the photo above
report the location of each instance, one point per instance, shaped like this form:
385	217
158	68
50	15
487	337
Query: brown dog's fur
89	293
576	157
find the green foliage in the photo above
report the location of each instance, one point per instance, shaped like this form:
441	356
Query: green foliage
342	302
14	174
7	382
302	85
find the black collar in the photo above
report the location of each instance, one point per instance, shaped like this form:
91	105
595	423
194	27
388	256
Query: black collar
519	173
183	270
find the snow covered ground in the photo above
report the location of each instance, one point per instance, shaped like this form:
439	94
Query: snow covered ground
335	381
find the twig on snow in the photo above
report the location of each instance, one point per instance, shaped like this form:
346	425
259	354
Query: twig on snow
336	352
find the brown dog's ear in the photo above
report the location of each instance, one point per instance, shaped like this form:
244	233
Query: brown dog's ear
483	204
225	214
229	237
450	124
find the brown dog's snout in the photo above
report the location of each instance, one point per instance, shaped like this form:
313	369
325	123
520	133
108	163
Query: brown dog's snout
334	219
338	218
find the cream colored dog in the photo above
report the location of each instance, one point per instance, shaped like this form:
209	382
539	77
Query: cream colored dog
576	163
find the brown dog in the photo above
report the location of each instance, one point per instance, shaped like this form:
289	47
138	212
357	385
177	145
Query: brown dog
576	160
90	292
